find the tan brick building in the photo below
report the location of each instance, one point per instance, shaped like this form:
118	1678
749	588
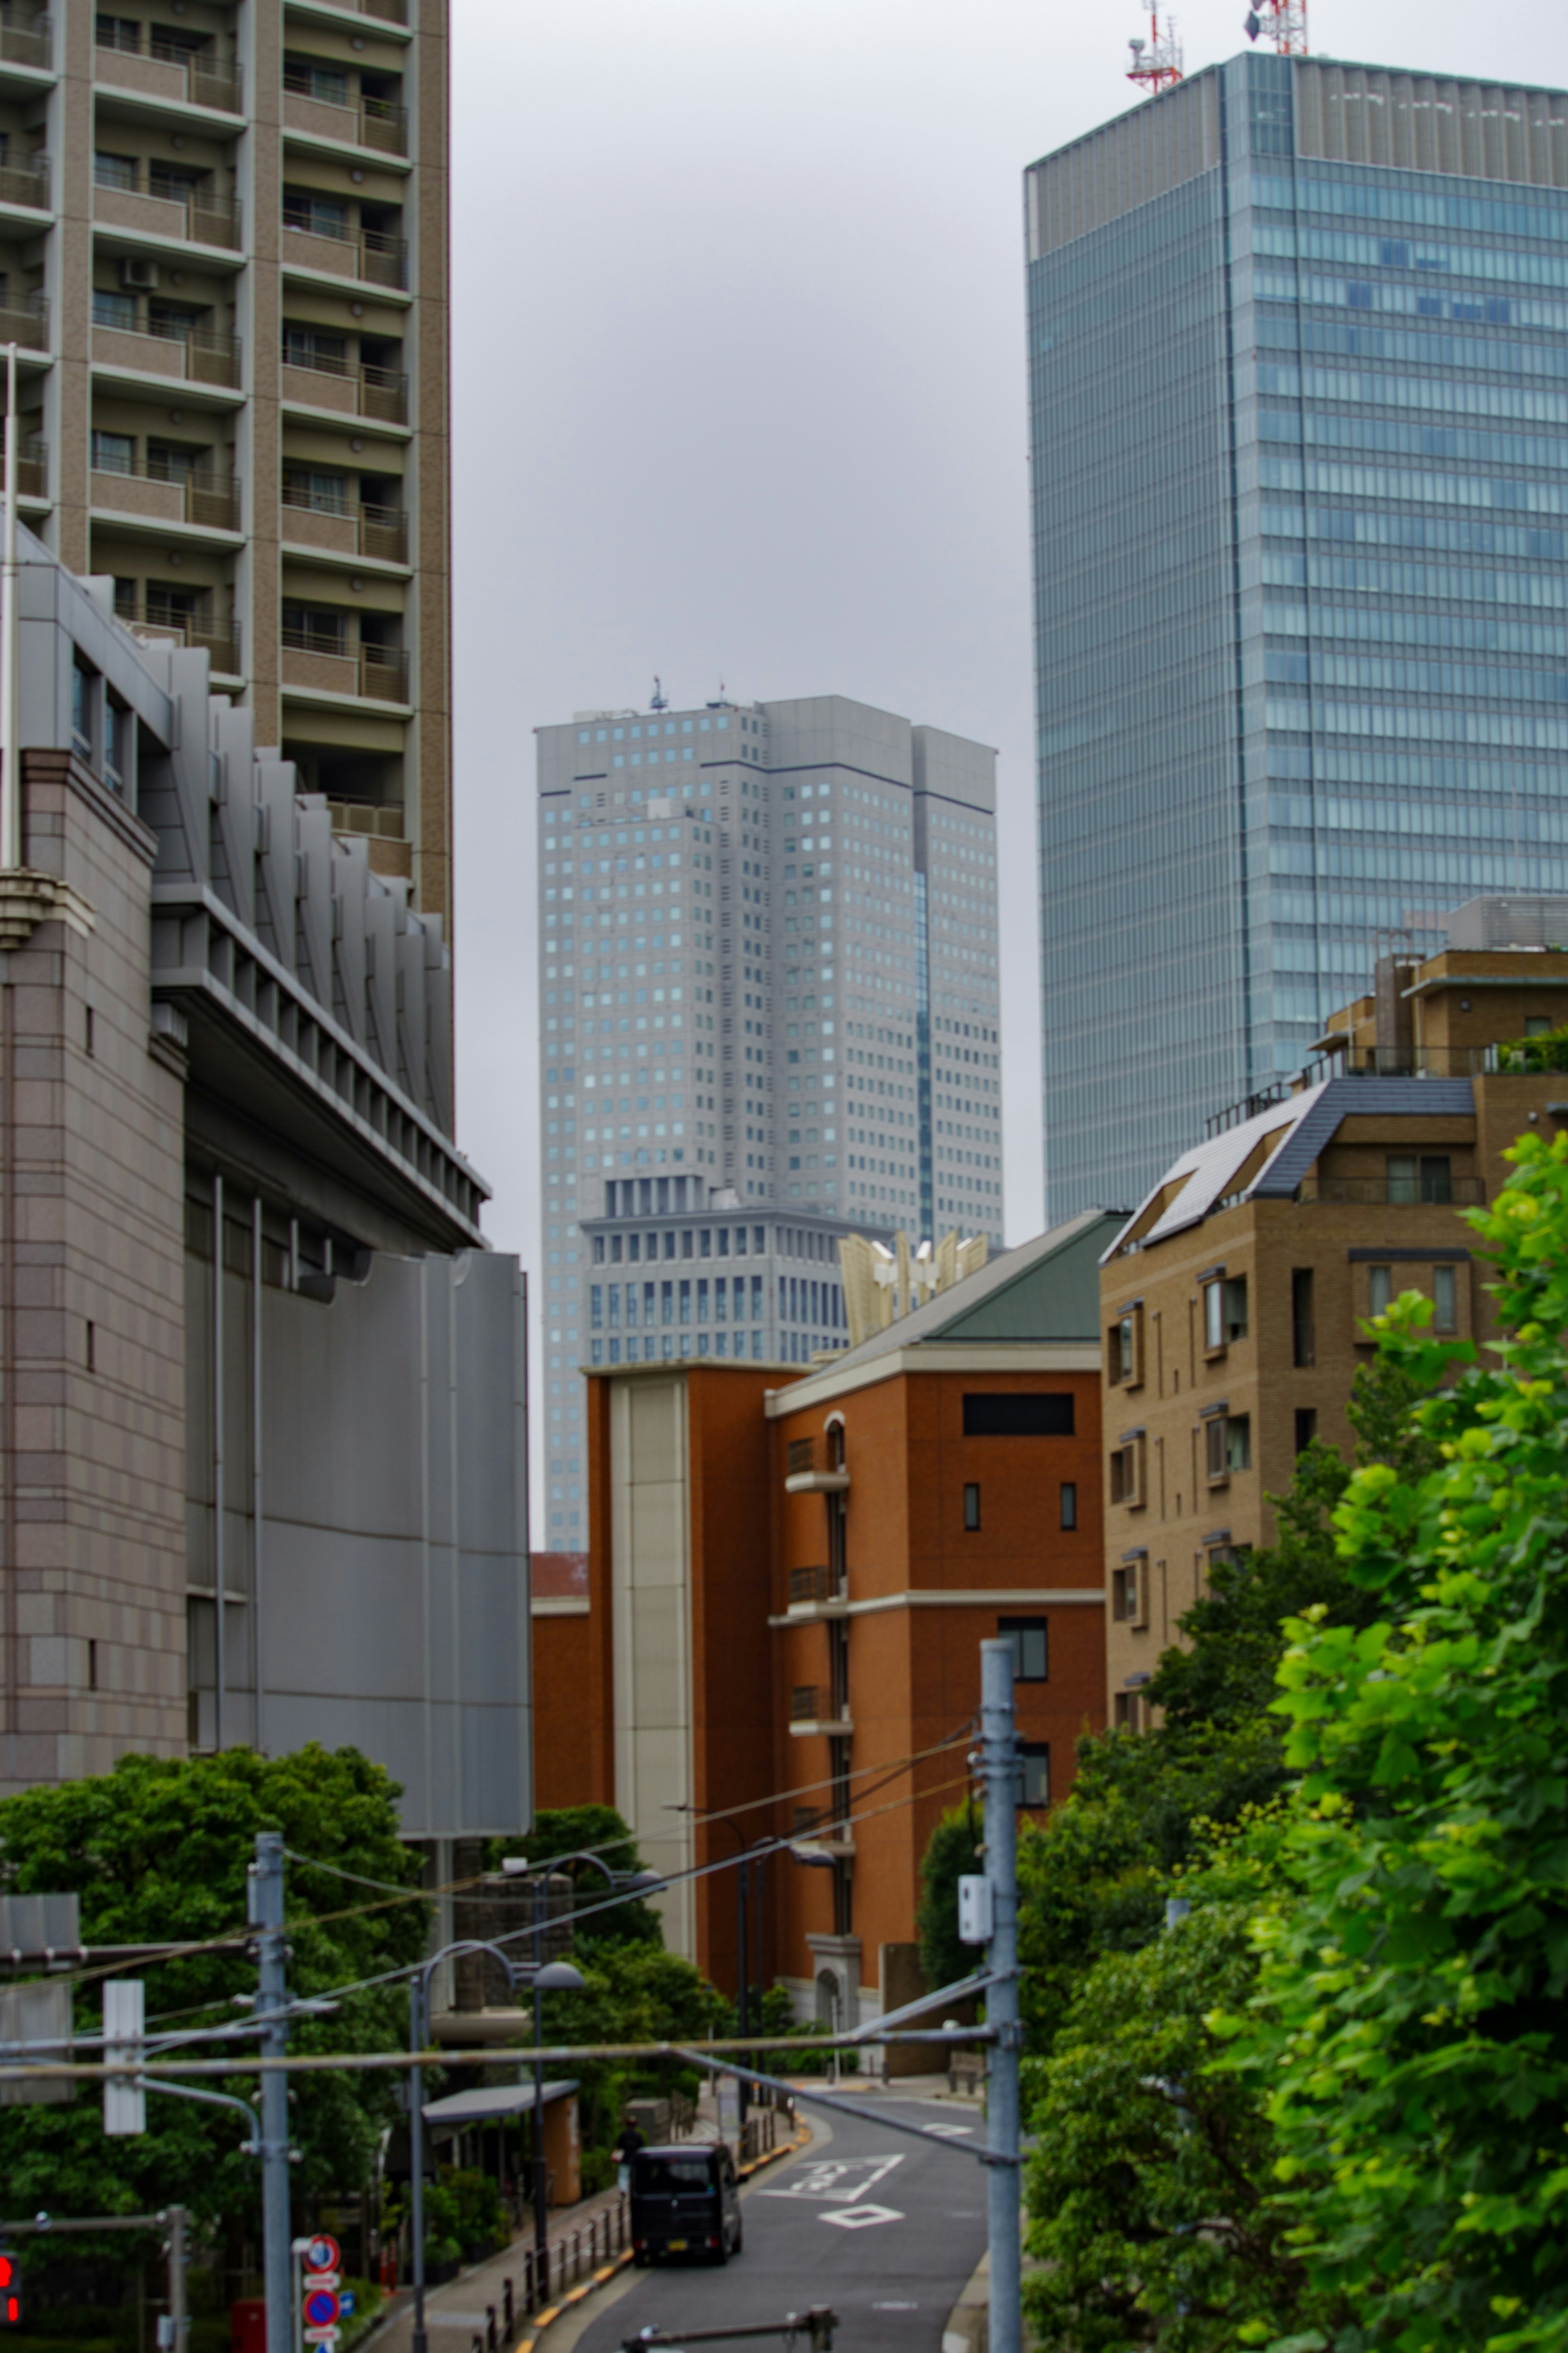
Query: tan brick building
1234	1300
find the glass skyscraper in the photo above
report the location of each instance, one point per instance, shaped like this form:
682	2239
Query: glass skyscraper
1299	387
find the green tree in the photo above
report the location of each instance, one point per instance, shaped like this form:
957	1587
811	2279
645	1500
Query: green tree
952	1853
1409	2035
589	1829
1149	2187
158	1850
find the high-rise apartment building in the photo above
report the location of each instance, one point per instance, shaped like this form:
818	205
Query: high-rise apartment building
224	232
769	1009
1297	355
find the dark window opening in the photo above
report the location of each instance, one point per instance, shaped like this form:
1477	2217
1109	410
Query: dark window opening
1304	1350
1037	1762
1069	1502
1014	1413
1030	1638
1306	1426
972	1507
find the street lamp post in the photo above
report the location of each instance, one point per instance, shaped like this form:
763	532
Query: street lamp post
561	1976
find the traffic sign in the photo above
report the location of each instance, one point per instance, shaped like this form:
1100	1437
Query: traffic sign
327	2336
323	2279
323	2254
320	2308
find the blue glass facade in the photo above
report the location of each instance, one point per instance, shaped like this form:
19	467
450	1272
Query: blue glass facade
1300	428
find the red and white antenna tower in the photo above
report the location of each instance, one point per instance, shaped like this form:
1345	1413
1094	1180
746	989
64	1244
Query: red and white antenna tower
1284	22
1157	62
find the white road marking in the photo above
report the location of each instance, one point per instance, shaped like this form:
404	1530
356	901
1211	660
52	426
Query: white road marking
841	2178
860	2218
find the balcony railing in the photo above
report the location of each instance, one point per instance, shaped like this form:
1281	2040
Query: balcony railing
121	200
325	664
391	12
30	328
324	383
31	466
222	642
809	1587
369	122
150	488
367	817
1381	1192
368	254
816	1704
166	347
381	533
814	1466
26	183
157	67
25	37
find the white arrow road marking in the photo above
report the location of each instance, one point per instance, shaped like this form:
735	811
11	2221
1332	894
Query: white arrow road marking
860	2218
950	2132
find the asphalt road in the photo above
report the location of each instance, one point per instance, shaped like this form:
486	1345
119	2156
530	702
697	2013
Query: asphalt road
885	2230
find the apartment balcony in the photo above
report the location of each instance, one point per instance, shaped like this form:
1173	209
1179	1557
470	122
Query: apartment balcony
28	328
379	533
147	493
320	664
27	39
377	393
814	1709
207	355
121	203
154	66
374	122
32	467
367	255
27	183
816	1593
359	818
391	12
221	643
814	1469
1383	1193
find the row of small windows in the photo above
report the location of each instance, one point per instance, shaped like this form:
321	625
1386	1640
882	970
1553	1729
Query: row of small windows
636	733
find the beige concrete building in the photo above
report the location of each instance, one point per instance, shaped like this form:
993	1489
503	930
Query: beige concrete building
1234	1301
224	231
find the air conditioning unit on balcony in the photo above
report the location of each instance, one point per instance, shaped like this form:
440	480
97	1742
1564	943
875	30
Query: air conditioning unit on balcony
140	275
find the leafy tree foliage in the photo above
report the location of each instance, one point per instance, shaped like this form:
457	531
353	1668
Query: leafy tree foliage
1410	2032
952	1853
589	1829
158	1850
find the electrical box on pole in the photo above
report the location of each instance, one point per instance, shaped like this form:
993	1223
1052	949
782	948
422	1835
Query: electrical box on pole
975	1910
36	2026
124	2031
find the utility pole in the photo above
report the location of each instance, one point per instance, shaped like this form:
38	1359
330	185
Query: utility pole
540	2186
999	1767
176	2217
417	2038
271	1998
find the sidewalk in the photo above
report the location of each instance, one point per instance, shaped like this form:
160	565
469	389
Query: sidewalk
457	2311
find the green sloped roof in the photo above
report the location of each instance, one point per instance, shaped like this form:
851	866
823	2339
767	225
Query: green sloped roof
1053	1296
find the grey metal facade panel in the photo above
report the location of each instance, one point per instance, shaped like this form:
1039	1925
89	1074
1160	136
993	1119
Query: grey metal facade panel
1143	154
1361	1099
1430	122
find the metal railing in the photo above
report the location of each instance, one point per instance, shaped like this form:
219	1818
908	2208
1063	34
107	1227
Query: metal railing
568	2257
380	671
162	629
379	532
381	393
816	1704
207	497
378	123
810	1584
200	216
207	354
28	327
32	467
367	817
379	258
26	183
207	83
1396	1193
26	39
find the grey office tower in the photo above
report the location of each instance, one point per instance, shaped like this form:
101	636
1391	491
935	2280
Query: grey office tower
1298	382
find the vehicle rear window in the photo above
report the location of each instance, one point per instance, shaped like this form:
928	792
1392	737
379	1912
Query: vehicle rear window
672	2173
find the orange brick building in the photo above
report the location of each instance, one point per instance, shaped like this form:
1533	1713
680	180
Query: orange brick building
790	1575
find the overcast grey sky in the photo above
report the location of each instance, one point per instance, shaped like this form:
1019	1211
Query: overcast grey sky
738	385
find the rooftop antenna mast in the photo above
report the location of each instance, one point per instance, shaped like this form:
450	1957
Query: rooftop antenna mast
658	700
1283	21
1156	62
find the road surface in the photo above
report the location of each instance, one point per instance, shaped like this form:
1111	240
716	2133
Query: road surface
885	2230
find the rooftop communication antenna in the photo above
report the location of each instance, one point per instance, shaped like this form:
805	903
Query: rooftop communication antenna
658	700
1156	62
1283	22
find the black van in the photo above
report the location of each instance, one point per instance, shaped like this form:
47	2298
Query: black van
685	2201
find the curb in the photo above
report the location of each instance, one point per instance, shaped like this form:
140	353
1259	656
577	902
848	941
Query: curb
606	2272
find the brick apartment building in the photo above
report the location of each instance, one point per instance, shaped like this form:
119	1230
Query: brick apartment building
1235	1301
790	1575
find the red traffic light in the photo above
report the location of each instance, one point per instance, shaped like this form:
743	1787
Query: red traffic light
10	2292
7	2270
